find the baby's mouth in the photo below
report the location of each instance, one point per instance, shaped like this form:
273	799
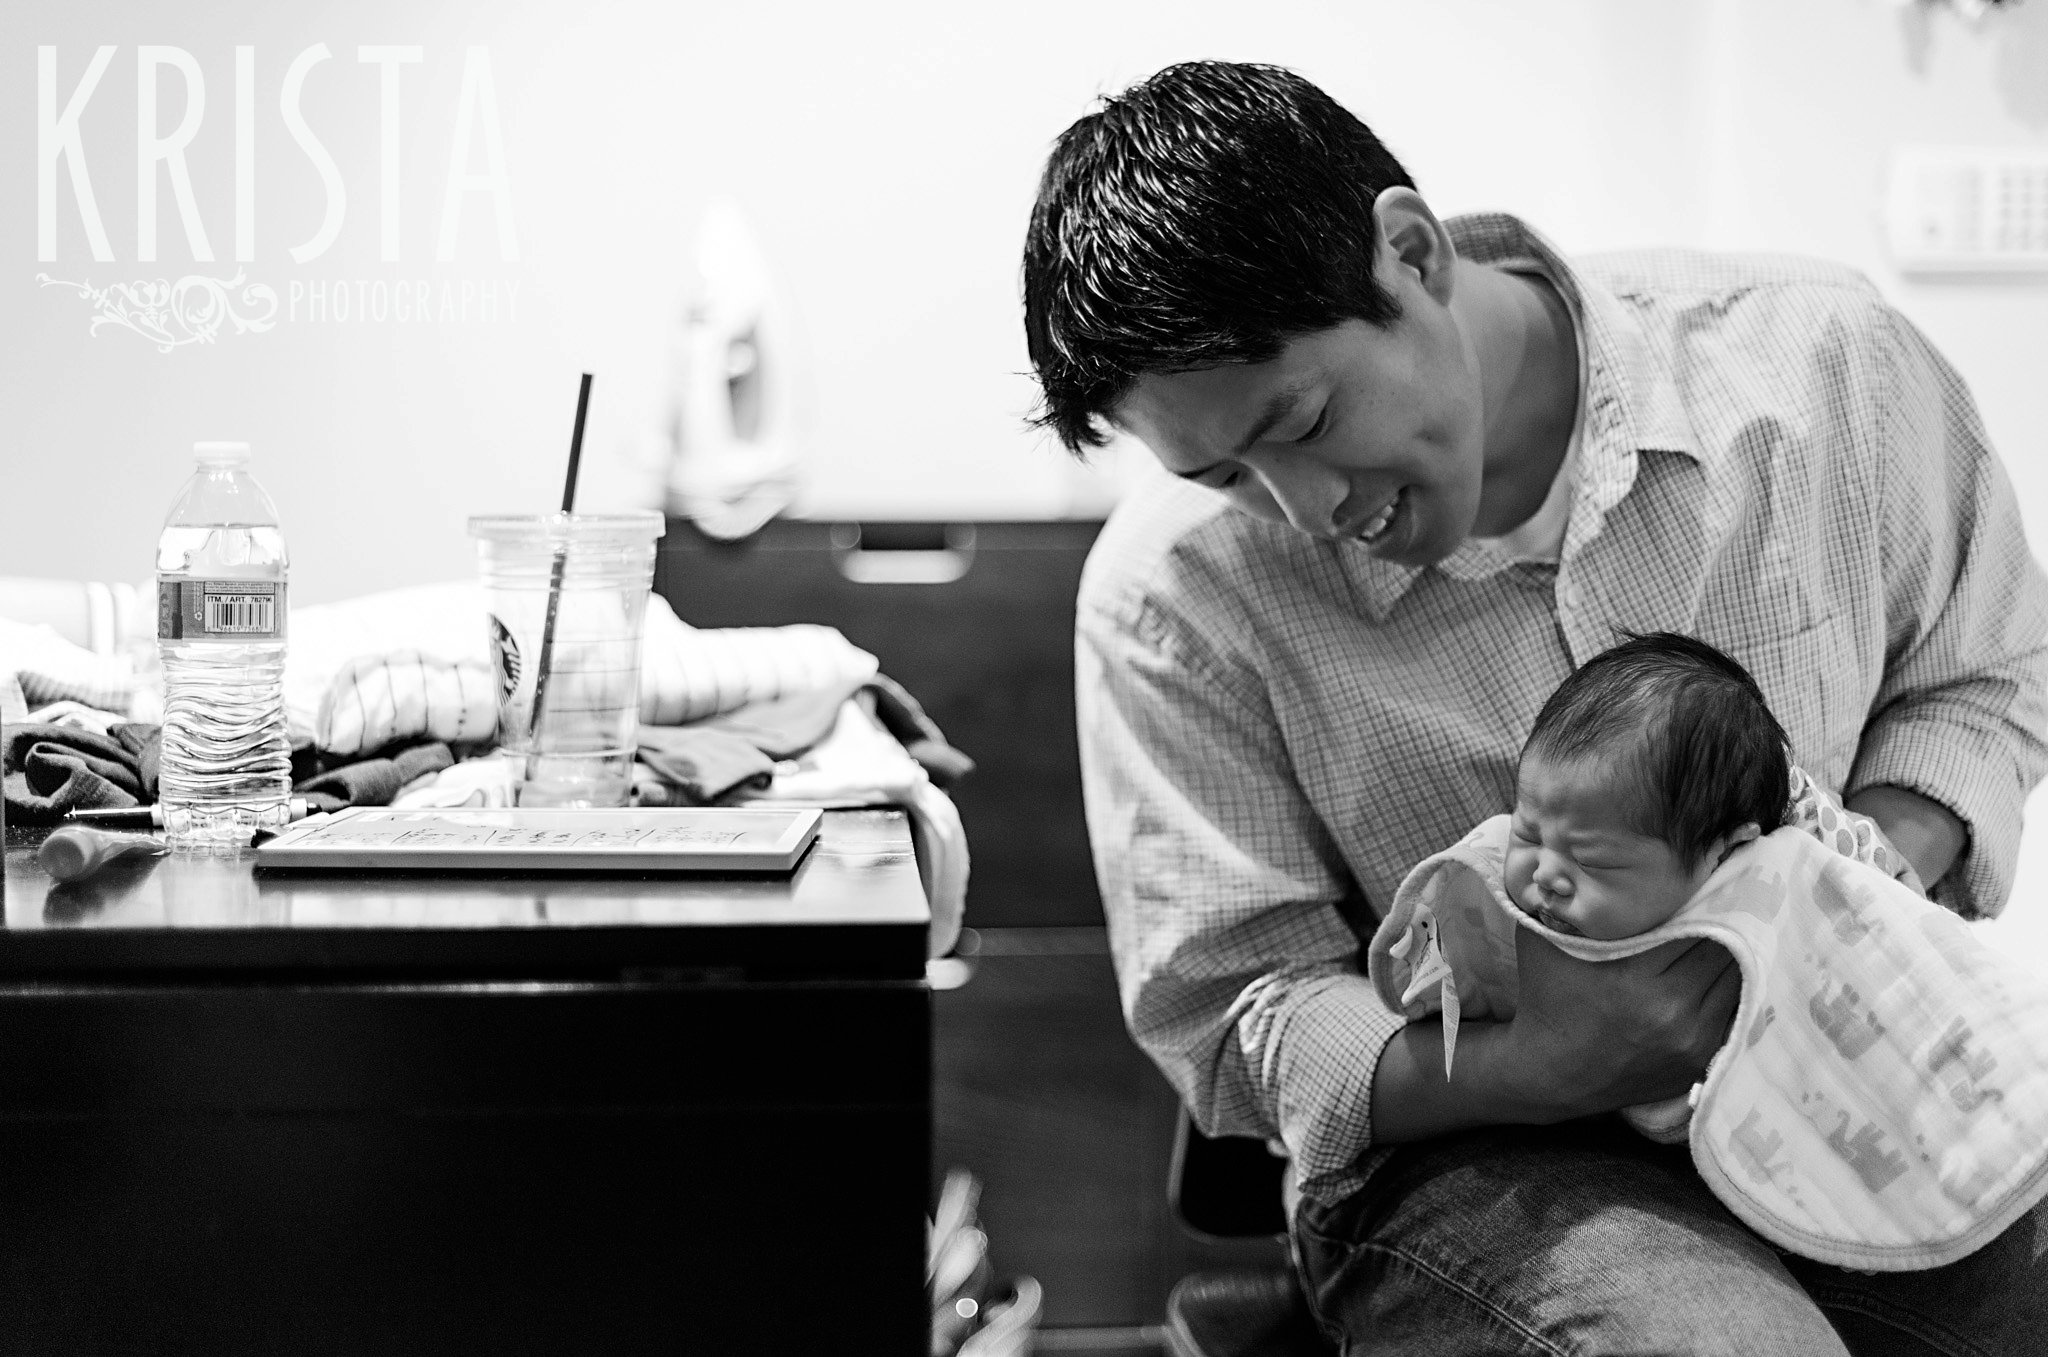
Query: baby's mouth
1544	915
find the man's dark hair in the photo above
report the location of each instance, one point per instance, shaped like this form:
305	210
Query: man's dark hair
1688	723
1205	216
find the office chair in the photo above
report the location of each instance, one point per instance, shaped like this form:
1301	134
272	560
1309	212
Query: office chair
1221	1188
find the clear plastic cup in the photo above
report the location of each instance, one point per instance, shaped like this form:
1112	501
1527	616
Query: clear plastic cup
569	718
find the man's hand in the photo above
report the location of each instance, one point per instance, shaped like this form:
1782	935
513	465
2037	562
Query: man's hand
1587	1037
1926	832
1590	1037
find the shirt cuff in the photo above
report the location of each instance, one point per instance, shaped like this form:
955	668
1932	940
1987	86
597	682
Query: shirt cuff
1958	764
1320	1058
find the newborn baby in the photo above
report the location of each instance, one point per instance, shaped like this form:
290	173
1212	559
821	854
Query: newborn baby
1644	771
1882	1098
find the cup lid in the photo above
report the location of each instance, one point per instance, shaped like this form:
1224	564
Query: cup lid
624	529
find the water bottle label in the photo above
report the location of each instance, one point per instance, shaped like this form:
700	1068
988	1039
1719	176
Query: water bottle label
240	610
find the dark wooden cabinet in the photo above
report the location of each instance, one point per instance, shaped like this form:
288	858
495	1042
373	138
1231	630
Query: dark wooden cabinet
455	1113
988	651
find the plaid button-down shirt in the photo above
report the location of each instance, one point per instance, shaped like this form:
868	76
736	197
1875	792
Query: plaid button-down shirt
1275	728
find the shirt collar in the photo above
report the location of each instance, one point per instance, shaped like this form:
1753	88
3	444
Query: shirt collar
1631	404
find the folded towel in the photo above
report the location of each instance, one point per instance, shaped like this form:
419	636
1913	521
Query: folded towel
784	727
740	750
695	766
1882	1100
51	770
413	662
374	781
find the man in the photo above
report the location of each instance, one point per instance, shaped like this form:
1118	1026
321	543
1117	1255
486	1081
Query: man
1420	470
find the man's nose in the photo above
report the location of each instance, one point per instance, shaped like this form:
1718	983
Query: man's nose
1307	492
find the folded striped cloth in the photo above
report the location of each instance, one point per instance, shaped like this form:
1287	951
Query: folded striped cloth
416	662
380	699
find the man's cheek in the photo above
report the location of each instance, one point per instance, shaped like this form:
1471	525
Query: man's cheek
1251	497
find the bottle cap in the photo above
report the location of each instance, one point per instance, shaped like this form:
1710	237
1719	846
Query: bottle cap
221	454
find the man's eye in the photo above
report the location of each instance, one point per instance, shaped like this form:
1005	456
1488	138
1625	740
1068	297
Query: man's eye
1225	477
1322	422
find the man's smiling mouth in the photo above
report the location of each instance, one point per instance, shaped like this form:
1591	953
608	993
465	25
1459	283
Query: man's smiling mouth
1376	527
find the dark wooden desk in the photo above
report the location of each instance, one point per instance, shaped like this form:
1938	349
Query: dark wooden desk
295	1113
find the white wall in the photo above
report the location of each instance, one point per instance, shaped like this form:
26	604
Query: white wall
1802	105
887	158
886	153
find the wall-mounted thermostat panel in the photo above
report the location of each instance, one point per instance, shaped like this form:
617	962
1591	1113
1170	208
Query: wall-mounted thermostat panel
1969	210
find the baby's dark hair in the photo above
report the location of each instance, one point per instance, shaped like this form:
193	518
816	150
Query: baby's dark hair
1691	727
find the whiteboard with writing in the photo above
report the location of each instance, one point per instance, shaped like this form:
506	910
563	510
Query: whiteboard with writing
703	839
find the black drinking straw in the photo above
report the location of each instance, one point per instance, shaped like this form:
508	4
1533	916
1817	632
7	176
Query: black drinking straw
561	562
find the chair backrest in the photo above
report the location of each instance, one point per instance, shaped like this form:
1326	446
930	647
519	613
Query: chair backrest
1225	1187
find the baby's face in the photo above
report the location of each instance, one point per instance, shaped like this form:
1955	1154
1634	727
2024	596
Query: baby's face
1576	865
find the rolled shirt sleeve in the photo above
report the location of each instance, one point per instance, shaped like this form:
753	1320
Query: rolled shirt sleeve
1960	713
1237	971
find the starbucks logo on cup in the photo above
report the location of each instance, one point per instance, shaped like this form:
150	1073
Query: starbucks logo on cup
505	659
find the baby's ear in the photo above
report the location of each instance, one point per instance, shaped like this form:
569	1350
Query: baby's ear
1739	836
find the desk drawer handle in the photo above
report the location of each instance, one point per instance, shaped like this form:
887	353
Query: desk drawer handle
887	563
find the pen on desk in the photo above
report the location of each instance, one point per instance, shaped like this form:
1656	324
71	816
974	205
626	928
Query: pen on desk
152	816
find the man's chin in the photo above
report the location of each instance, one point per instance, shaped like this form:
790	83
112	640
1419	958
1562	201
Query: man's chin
1416	559
1411	550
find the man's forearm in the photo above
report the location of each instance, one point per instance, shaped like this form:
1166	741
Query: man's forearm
1926	832
1411	1098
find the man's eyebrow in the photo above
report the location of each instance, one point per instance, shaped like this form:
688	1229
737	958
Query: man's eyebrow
1278	406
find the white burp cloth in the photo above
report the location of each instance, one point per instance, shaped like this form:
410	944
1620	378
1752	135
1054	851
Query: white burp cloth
1882	1101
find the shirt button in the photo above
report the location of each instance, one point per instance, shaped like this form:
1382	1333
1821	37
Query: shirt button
1572	596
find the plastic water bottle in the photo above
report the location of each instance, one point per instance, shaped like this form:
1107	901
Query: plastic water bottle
220	582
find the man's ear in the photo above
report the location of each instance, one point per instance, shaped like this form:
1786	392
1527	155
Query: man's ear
1411	237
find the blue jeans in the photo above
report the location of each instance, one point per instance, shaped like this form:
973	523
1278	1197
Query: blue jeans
1587	1239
